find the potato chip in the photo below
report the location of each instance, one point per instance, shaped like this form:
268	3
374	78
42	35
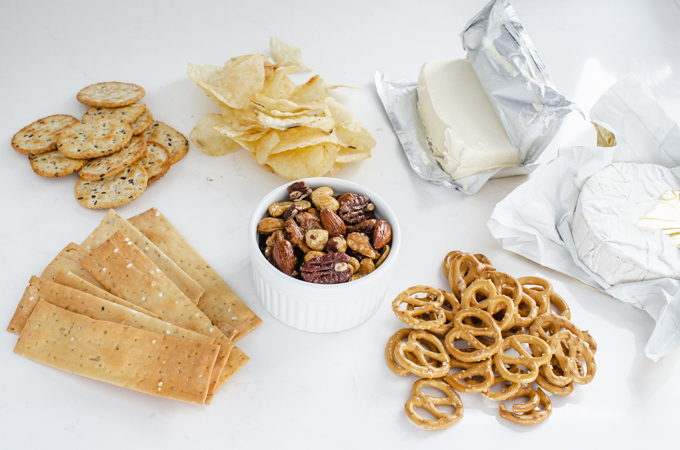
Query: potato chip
208	140
302	137
286	53
302	120
234	83
304	162
240	120
313	90
348	129
283	107
280	86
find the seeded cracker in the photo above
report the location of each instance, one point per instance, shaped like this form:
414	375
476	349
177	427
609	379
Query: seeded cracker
156	161
107	166
142	123
127	114
175	368
174	141
41	136
111	94
119	190
53	164
97	138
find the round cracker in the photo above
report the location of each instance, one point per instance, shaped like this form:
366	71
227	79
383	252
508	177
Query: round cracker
111	94
108	166
156	161
41	136
100	137
53	164
142	123
127	114
119	190
174	141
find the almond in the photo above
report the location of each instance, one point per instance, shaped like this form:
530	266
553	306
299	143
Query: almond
332	223
283	256
382	234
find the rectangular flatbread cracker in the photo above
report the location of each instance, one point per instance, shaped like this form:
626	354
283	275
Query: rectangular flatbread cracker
218	301
112	222
129	274
69	259
140	360
97	308
69	279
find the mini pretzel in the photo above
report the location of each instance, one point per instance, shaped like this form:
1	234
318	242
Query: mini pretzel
450	307
426	355
464	381
558	301
463	270
493	302
481	258
508	391
569	362
421	313
531	362
539	290
547	325
420	400
470	333
522	413
526	310
553	388
505	284
397	337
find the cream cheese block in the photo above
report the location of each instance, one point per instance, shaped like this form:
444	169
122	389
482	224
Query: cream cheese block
604	227
462	127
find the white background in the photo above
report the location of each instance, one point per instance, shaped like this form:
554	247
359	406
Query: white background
302	390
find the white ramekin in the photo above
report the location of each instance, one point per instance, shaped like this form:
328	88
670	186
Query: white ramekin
321	308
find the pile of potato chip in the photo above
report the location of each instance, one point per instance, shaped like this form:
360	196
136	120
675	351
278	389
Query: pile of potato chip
296	131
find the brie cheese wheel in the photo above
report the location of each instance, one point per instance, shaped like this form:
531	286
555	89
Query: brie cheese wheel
463	129
604	227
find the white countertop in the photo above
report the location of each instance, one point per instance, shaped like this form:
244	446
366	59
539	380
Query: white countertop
302	390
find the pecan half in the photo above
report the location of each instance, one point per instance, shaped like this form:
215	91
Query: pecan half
359	242
332	223
366	227
308	221
299	190
382	234
297	235
355	208
328	269
284	257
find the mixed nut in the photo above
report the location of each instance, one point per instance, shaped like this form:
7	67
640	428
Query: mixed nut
324	239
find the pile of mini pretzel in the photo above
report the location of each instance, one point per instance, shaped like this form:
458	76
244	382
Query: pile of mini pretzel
504	337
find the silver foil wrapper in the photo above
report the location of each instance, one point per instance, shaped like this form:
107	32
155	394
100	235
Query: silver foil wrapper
517	83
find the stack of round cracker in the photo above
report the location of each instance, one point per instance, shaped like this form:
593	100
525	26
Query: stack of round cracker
117	148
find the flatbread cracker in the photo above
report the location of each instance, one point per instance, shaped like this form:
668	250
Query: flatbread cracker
69	259
156	161
127	114
41	136
53	164
111	94
113	222
140	360
108	166
218	301
93	139
142	123
174	141
73	281
127	273
119	190
100	309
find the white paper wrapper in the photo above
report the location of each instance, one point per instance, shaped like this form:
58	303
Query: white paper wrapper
535	219
517	84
